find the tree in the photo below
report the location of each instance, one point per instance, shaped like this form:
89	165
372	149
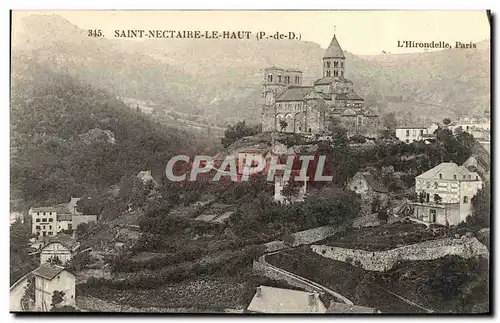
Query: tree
20	234
283	125
57	298
481	203
54	260
29	292
238	131
389	121
383	215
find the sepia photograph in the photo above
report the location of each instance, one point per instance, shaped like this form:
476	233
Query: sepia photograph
250	162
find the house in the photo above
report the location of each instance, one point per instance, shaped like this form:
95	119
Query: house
342	308
282	301
62	246
416	133
444	194
369	189
49	279
49	221
146	177
255	153
44	221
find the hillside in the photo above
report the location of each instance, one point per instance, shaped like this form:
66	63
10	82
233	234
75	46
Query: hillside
70	139
220	79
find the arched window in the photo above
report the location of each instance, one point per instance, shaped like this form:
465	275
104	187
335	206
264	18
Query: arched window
342	64
328	64
440	176
328	73
335	64
279	78
455	176
335	73
269	78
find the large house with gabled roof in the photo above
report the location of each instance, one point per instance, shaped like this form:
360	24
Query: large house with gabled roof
290	106
444	194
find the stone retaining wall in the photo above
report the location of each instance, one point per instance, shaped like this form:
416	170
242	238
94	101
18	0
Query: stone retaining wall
385	260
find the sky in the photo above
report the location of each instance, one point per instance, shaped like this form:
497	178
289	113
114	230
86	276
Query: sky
359	32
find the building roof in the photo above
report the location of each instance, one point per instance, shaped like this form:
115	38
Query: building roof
294	93
369	113
341	308
64	217
293	70
448	171
48	271
273	68
376	185
278	300
334	50
44	209
349	96
349	112
422	127
64	239
313	95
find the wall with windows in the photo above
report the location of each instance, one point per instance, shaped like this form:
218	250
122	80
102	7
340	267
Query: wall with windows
44	289
44	223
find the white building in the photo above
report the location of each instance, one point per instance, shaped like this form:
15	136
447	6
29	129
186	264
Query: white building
49	221
415	133
62	246
444	194
285	301
50	278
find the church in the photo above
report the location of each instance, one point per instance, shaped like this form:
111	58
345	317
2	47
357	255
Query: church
331	101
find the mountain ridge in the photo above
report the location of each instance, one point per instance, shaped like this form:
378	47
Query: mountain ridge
222	81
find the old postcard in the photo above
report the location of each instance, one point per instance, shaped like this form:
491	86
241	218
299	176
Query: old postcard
326	162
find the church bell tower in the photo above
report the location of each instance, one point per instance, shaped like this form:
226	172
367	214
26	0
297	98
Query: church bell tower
334	60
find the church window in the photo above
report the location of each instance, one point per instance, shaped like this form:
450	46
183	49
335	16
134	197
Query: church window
269	78
328	64
279	78
335	64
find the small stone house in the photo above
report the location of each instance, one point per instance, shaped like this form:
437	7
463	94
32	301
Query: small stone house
369	189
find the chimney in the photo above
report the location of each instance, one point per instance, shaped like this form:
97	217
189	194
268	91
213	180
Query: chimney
258	294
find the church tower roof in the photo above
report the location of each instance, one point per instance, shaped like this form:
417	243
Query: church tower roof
334	50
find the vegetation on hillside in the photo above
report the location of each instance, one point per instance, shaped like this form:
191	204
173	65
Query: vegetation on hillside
49	160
